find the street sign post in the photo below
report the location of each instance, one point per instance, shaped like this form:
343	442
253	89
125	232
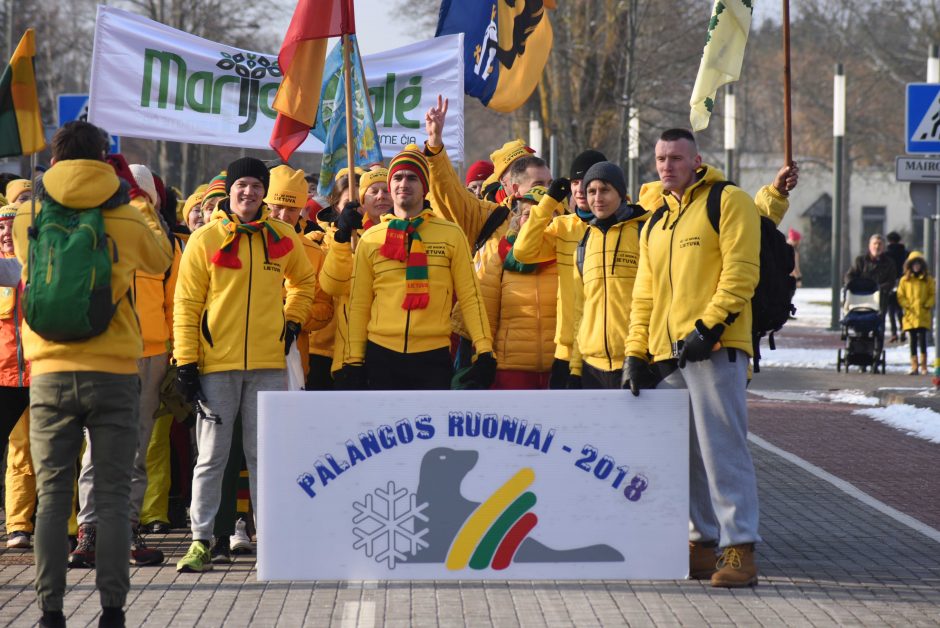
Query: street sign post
75	107
922	118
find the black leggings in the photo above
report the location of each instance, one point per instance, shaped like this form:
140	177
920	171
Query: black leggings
13	401
918	339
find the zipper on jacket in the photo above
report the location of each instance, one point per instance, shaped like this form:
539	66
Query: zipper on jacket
251	259
538	320
672	235
604	271
407	326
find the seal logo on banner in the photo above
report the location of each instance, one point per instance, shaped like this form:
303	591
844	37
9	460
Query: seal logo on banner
436	524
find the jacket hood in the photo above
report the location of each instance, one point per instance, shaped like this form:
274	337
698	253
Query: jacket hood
82	183
651	193
914	256
626	211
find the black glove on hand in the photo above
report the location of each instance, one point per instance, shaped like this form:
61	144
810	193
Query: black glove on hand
187	382
638	374
559	189
558	380
350	377
291	331
699	343
481	374
348	222
574	382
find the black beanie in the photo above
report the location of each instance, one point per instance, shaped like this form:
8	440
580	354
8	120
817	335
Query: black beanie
584	161
246	167
609	172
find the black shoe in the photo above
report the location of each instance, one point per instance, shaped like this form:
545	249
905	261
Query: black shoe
52	619
141	555
111	617
220	553
83	556
156	527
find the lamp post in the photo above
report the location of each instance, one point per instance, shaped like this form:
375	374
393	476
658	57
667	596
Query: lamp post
633	155
730	132
838	155
933	76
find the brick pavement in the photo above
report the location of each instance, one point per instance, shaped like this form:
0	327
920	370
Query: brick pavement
827	559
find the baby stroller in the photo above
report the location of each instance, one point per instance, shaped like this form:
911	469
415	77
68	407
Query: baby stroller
862	327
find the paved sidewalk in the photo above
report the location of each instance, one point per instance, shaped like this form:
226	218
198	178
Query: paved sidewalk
829	557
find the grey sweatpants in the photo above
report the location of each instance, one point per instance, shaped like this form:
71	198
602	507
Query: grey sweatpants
227	393
151	371
723	502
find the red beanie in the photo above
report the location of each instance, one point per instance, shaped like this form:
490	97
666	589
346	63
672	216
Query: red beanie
479	171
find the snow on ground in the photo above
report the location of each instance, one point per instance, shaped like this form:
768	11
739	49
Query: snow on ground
919	422
813	306
851	397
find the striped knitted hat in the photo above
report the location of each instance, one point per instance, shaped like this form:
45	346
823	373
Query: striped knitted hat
8	212
411	159
216	187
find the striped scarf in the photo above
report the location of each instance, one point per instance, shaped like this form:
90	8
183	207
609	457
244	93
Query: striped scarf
275	245
403	242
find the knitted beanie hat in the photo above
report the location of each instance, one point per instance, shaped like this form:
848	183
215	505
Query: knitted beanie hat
581	163
193	202
216	187
17	187
246	167
411	159
371	177
144	179
344	171
8	212
508	153
479	171
288	187
608	172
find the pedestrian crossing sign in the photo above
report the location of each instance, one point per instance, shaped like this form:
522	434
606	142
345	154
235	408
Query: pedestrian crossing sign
922	125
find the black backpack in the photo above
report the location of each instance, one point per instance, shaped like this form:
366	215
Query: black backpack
772	303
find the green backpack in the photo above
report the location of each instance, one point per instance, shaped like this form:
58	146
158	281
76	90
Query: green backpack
68	291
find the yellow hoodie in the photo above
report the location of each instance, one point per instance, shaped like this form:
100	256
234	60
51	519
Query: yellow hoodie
322	340
229	319
141	244
378	289
602	291
688	271
153	298
543	238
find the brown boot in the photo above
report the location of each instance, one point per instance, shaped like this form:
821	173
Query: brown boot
702	560
923	365
913	370
736	567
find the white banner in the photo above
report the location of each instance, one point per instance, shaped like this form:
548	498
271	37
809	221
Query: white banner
467	485
155	82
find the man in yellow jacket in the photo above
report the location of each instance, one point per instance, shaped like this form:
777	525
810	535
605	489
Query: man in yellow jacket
406	271
232	329
92	383
691	313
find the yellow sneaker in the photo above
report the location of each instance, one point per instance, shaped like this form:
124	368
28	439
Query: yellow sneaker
196	560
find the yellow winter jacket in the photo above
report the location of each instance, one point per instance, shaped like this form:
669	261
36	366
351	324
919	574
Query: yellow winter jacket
321	340
689	272
454	202
321	313
543	238
916	296
378	289
603	289
141	245
228	319
335	279
521	311
153	297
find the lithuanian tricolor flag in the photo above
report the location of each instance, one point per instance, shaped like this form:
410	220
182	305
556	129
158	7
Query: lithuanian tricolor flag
20	121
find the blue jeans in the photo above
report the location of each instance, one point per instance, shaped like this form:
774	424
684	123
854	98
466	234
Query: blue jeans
61	405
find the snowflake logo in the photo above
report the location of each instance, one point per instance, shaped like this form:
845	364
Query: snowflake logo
390	529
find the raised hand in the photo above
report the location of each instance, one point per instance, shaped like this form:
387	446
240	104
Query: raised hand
434	122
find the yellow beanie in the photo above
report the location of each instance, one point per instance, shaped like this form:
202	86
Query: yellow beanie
379	175
194	201
17	187
510	152
287	187
345	171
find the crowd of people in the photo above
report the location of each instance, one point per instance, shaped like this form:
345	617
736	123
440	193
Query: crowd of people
406	278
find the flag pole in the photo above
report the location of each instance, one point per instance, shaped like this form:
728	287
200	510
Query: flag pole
350	140
787	126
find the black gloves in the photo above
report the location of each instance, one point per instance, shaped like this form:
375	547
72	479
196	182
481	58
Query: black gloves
638	374
559	189
574	382
350	377
481	374
187	382
558	380
348	222
291	331
699	343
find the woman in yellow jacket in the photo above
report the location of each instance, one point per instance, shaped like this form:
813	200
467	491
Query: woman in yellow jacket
916	294
520	304
355	219
604	272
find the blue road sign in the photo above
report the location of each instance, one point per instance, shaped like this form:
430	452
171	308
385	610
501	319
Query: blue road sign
922	118
75	107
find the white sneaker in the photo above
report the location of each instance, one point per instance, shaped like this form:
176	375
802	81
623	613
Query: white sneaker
19	540
240	542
